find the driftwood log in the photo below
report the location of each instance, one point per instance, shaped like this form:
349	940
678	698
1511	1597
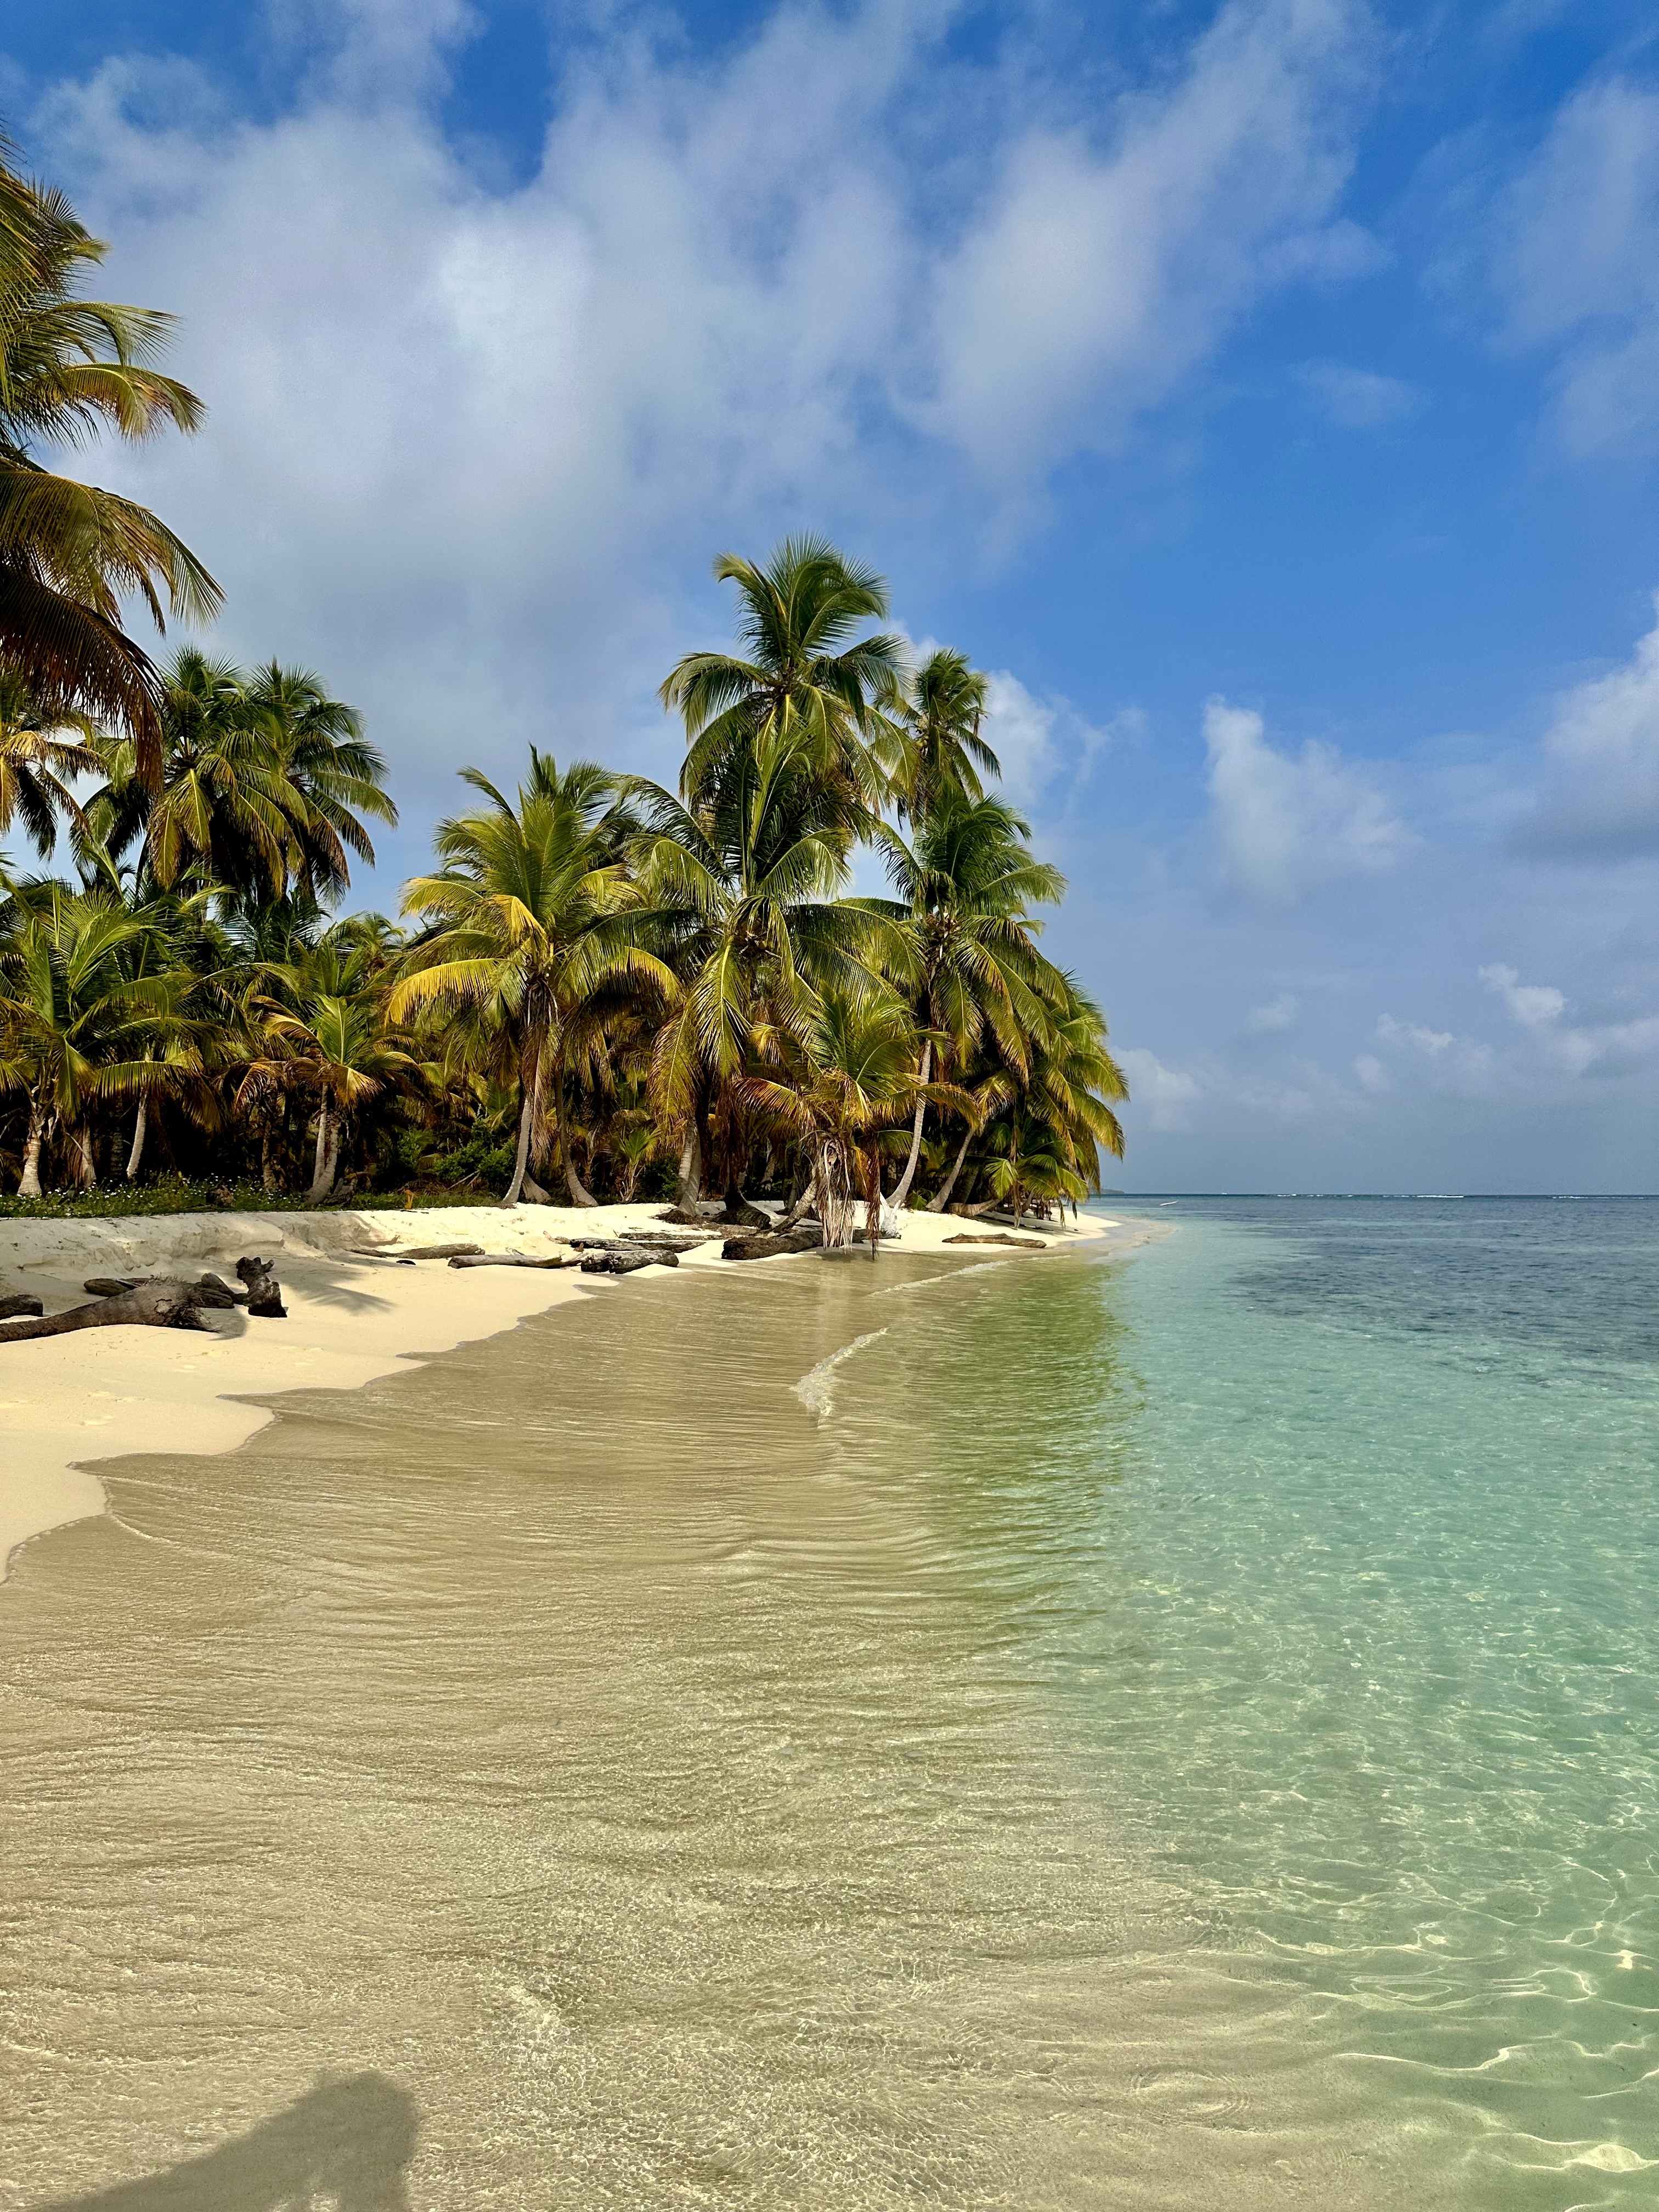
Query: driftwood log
1017	1243
510	1260
683	1242
163	1303
419	1252
687	1217
110	1286
264	1292
618	1261
771	1247
19	1302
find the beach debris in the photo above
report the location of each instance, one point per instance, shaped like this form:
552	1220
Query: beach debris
16	1302
687	1217
419	1252
618	1261
683	1242
264	1292
772	1245
1017	1243
739	1215
510	1260
163	1303
214	1290
110	1286
592	1243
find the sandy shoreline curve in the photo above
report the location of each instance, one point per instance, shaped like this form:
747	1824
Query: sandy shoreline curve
353	1315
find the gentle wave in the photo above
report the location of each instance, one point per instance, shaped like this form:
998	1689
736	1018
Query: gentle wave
814	1388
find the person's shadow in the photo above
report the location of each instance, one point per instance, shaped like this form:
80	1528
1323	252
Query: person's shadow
347	2142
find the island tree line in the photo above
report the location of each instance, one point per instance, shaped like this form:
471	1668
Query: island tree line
603	988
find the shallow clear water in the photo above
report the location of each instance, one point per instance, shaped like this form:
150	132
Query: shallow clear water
1178	1733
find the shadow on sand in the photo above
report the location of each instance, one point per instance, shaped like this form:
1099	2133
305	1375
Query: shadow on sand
345	2144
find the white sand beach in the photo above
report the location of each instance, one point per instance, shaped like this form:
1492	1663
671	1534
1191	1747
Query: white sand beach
353	1314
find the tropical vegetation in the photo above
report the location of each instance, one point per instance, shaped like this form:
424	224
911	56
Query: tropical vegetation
603	986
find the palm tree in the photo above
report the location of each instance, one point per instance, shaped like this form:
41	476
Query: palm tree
535	920
37	752
744	893
804	680
332	1039
942	754
70	553
849	1070
336	776
77	1025
224	810
968	884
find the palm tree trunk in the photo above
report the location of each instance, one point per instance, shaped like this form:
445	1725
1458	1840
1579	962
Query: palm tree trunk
573	1181
140	1131
521	1162
689	1186
28	1183
322	1174
902	1190
268	1178
86	1169
941	1197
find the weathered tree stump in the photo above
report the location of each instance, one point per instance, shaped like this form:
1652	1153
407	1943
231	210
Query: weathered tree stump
264	1292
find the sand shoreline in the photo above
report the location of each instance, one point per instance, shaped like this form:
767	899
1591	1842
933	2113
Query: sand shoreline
67	1403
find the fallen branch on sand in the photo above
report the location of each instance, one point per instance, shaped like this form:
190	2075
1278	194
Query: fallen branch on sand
418	1252
510	1260
771	1247
160	1305
1016	1243
619	1262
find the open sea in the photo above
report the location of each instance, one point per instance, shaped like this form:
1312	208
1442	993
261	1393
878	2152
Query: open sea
1172	1734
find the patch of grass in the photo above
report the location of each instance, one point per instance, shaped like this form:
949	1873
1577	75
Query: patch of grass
173	1194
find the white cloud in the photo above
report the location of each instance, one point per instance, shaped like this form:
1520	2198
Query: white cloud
1167	1093
1287	825
1604	1047
1278	1013
1580	261
1039	739
1372	1075
1098	276
1358	398
460	439
1602	800
1439	1059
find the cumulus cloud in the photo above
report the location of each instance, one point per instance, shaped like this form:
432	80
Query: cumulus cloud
1101	271
464	442
1278	1013
1580	262
1576	1048
1287	824
1167	1094
1602	799
1040	739
1358	398
1439	1059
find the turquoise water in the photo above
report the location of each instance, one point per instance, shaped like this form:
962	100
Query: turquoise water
1176	1734
1361	1634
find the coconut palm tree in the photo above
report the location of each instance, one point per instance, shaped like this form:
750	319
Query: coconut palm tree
331	1038
803	681
41	745
70	553
77	1027
967	883
533	919
943	754
745	894
847	1069
337	777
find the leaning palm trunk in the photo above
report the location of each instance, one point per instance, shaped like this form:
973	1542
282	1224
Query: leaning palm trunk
140	1131
28	1183
689	1186
901	1189
832	1195
941	1197
328	1151
573	1182
530	1082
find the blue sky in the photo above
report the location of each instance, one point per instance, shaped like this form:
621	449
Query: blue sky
1268	395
